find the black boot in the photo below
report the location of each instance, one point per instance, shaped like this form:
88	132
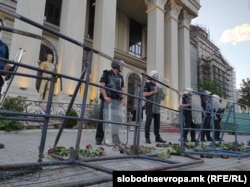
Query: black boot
147	135
217	135
192	133
148	141
203	136
208	136
160	140
185	133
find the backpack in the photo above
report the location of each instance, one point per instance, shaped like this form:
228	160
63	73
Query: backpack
4	53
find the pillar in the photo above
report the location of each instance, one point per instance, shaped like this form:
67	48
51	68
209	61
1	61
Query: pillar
155	36
104	40
32	46
184	51
171	51
72	24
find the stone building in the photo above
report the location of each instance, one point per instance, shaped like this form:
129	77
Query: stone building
208	64
145	34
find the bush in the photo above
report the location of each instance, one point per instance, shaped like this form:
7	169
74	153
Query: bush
70	123
15	104
93	114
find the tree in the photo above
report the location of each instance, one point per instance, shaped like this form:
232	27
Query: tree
244	93
212	86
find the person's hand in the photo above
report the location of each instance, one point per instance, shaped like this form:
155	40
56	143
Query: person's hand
107	99
7	67
124	103
215	118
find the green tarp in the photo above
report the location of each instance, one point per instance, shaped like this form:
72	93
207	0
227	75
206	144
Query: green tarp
240	121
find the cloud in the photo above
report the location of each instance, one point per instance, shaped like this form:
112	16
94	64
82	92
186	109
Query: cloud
237	34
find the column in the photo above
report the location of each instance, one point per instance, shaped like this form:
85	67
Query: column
104	40
171	51
72	24
155	43
184	51
31	46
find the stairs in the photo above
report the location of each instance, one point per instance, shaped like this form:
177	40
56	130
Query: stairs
165	127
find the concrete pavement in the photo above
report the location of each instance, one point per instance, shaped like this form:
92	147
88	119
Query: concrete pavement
22	147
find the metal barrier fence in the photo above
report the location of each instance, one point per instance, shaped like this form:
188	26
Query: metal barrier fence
231	122
43	116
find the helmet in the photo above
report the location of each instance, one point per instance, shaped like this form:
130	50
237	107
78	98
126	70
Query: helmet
116	65
187	91
216	96
206	92
154	74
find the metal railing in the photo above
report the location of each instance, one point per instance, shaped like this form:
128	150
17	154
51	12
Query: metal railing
43	113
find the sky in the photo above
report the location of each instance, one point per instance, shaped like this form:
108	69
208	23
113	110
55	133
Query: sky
228	25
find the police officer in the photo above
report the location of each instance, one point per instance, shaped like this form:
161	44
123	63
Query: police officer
111	79
218	112
187	112
154	94
4	53
206	115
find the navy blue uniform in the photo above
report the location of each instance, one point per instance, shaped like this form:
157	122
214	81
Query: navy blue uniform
4	53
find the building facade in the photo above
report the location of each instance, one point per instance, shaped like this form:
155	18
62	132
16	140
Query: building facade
209	64
145	34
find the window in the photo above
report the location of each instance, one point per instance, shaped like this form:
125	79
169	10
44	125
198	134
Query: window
53	11
91	19
135	39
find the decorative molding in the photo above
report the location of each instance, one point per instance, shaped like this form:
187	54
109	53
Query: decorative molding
173	11
185	19
151	4
208	58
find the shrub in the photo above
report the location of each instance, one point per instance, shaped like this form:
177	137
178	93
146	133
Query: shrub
93	114
70	123
15	104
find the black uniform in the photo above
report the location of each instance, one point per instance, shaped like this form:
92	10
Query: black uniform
153	112
188	119
217	121
206	116
111	81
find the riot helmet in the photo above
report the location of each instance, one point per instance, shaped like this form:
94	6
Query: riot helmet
206	92
154	74
216	96
117	64
188	91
